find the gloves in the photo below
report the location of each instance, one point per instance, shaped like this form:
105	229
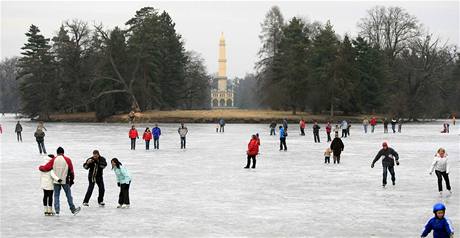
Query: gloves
51	155
372	166
118	184
59	181
397	163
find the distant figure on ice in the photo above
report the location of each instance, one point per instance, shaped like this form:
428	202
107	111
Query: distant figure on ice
285	124
327	155
400	121
337	147
47	184
63	169
147	136
439	224
222	125
40	138
365	124
328	131
441	167
453	120
385	125
445	127
18	131
131	117
348	128
389	157
283	135
373	124
95	166
182	133
336	129
133	135
217	128
1	129
302	127
316	128
123	181
156	131
273	128
344	126
253	150
393	124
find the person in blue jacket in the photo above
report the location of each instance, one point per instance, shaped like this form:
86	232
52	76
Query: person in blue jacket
283	135
156	131
123	181
439	224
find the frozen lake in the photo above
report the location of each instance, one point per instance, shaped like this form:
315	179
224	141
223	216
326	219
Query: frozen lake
204	191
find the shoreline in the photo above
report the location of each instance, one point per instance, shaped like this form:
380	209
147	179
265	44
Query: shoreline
210	116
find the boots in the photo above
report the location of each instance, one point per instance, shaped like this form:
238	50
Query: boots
253	164
50	211
45	208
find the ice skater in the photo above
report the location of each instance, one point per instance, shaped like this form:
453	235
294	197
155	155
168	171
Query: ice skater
337	147
253	150
373	123
63	168
273	128
439	224
18	131
222	125
95	166
327	155
302	127
393	124
40	138
123	181
283	135
156	131
182	133
344	126
316	128
47	184
147	136
385	125
133	135
389	157
365	124
285	124
441	167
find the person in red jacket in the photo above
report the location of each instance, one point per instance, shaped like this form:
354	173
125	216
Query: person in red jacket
302	127
133	135
253	150
373	122
147	137
328	131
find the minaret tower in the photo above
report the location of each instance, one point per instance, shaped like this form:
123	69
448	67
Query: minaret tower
222	74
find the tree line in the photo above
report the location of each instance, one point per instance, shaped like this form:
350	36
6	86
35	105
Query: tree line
393	66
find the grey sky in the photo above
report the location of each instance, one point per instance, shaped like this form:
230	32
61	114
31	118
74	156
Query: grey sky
200	23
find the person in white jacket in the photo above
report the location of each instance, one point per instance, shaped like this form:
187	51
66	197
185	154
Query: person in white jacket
47	184
441	167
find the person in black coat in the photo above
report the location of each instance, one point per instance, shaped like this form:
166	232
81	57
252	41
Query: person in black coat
316	128
95	165
389	157
337	148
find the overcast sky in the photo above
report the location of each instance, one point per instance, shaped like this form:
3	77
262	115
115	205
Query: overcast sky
200	23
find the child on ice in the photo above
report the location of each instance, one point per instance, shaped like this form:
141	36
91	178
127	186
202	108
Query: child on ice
441	167
327	155
47	184
441	225
123	181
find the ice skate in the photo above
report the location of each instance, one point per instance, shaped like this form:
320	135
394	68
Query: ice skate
125	206
76	211
102	204
119	206
85	204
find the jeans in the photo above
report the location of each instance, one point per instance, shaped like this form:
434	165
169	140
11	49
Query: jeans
147	144
133	143
47	197
441	175
68	194
373	128
337	158
41	147
283	143
123	197
393	127
156	143
302	131
89	192
272	131
329	137
392	172
253	157
385	129
221	129
316	136
182	142
19	136
344	132
365	128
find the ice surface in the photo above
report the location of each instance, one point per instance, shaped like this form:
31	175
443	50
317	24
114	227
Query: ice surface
205	192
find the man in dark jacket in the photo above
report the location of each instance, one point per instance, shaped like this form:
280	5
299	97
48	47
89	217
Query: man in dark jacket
96	164
388	162
40	138
316	128
337	147
18	131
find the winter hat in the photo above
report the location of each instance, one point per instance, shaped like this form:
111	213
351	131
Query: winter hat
385	144
439	207
60	150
